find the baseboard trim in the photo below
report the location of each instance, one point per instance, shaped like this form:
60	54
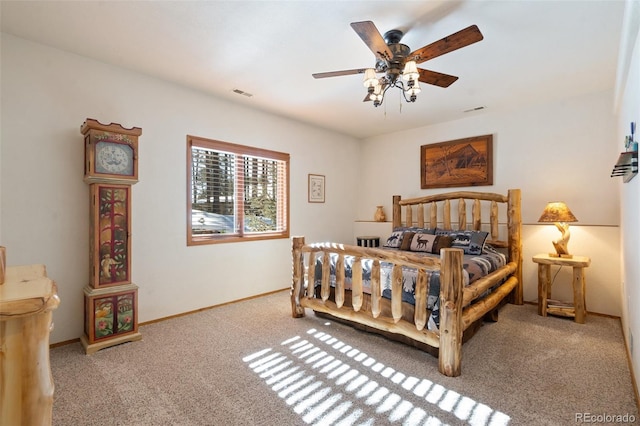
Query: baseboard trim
634	383
244	299
68	342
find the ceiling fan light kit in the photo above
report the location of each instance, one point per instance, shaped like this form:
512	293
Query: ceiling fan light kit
376	88
395	59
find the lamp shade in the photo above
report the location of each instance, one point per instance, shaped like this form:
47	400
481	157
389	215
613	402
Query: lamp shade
410	71
557	211
370	79
377	94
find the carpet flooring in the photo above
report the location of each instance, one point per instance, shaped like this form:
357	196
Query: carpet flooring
251	363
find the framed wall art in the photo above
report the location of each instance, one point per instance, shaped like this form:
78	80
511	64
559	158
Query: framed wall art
460	162
316	188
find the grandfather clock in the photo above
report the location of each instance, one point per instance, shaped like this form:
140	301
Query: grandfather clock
110	298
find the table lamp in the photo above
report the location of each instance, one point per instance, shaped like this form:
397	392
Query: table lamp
558	213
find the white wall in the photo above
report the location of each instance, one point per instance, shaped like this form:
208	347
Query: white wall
629	110
562	150
46	96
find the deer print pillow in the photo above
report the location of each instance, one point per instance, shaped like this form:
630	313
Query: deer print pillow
472	242
430	243
401	237
395	239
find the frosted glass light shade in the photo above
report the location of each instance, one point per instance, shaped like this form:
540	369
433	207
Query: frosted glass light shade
370	79
410	71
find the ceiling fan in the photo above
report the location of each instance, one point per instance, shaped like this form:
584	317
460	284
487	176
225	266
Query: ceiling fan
395	59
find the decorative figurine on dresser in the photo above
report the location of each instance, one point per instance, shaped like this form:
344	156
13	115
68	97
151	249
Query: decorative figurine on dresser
111	299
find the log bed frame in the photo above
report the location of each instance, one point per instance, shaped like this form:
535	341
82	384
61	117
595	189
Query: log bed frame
462	309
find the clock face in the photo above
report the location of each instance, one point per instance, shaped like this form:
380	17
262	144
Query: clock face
114	158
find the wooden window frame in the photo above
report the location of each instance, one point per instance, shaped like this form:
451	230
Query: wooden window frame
240	151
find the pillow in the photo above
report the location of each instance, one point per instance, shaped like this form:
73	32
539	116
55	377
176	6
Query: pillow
406	240
430	243
415	229
472	242
397	238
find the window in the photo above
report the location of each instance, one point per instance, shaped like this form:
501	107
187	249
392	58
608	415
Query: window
235	193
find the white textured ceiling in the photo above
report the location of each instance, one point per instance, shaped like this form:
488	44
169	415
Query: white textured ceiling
532	51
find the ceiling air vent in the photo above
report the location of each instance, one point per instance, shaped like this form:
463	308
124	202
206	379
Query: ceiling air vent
478	108
242	92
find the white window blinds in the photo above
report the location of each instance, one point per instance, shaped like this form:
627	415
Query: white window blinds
237	191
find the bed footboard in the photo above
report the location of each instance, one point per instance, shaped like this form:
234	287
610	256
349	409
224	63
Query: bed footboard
448	339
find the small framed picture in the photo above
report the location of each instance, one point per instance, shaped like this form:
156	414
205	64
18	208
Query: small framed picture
316	188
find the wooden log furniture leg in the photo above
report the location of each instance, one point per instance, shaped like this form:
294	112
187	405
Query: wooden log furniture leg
544	288
579	294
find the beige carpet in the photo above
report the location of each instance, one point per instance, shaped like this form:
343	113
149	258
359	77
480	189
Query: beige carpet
250	363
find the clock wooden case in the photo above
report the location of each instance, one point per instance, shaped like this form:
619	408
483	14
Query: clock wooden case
111	317
110	152
110	245
111	299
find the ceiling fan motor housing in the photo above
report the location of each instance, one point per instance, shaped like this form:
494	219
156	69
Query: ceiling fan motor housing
396	64
393	36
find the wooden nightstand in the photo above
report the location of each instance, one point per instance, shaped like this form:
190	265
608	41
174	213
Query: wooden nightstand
577	309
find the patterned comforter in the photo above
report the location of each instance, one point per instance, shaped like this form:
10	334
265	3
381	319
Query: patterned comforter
475	266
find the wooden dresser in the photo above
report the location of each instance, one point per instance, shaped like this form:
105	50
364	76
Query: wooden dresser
27	301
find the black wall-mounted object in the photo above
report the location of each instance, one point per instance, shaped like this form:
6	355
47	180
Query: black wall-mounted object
627	166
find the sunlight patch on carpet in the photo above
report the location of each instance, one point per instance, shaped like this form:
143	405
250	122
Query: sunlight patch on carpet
328	382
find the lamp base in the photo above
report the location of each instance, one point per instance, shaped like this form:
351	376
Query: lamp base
563	256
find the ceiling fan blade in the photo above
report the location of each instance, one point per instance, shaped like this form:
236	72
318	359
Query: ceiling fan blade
373	39
436	78
338	73
448	44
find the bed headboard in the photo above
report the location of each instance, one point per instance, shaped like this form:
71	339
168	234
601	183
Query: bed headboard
433	211
411	212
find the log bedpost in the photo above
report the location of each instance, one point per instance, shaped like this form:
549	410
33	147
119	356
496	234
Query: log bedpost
396	293
297	284
495	231
462	214
433	215
420	310
446	214
477	214
376	292
339	288
515	241
420	215
451	283
356	284
397	212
